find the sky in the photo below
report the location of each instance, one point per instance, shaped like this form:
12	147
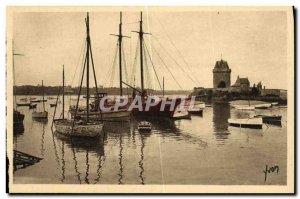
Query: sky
183	46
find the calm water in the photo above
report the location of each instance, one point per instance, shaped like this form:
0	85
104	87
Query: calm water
203	150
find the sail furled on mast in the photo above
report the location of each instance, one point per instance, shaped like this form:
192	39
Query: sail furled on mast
120	47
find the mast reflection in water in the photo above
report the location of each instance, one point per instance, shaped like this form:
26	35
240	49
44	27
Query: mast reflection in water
174	151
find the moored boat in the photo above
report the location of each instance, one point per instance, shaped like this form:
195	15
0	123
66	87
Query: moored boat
144	126
276	119
255	123
18	118
83	127
23	104
178	115
263	106
41	114
244	108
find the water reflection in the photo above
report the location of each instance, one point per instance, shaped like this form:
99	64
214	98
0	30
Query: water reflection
141	162
120	174
86	146
221	113
40	120
42	141
18	130
123	155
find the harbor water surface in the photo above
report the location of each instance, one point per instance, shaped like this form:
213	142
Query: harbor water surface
203	150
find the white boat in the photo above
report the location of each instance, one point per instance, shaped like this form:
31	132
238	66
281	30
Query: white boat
181	115
144	126
84	127
274	103
255	123
119	115
196	108
41	114
244	108
80	129
263	106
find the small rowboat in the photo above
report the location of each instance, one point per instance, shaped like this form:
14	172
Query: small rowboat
23	104
43	114
178	115
255	123
52	105
245	108
263	106
144	126
36	101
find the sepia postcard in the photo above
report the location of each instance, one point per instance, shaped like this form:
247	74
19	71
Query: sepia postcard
150	100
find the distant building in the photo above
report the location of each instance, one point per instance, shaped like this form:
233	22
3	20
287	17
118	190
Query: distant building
274	93
68	90
198	91
241	85
221	75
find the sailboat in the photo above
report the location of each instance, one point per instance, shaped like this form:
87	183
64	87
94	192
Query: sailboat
43	114
17	116
122	114
153	110
83	125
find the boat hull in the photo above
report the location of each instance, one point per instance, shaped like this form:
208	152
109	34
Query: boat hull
270	119
79	130
254	123
155	110
40	114
25	104
122	115
18	118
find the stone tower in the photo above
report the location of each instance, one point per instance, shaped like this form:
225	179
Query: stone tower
222	74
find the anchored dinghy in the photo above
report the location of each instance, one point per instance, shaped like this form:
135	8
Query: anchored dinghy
255	123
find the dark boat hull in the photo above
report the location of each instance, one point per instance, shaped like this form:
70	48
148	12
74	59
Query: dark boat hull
251	126
270	118
18	118
26	104
155	110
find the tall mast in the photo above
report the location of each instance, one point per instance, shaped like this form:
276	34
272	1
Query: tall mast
141	33
63	92
141	52
43	95
13	62
120	38
163	86
120	53
87	67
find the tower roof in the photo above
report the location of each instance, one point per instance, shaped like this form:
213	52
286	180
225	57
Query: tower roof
221	65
